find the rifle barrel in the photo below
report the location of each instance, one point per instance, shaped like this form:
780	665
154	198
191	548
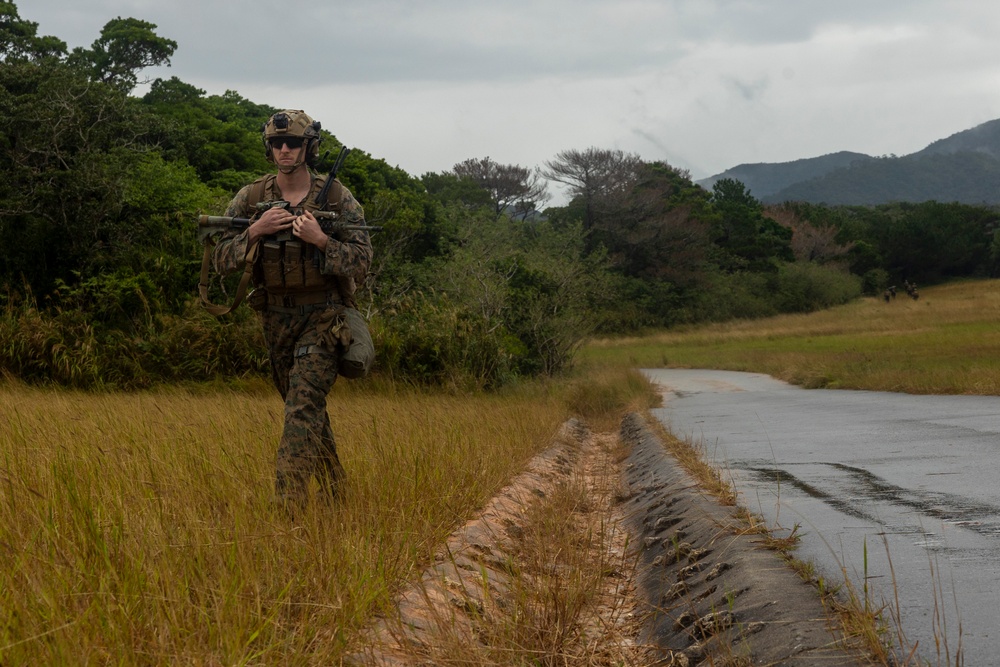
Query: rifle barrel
221	221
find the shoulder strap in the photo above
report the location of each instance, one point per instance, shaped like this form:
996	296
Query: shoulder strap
334	196
258	188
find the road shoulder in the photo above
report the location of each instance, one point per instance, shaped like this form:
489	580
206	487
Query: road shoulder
713	587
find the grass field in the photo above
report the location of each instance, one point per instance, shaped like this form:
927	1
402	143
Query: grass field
947	342
137	529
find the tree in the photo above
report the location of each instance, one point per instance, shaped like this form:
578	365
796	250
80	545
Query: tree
511	188
812	240
747	240
662	232
19	39
600	177
125	47
219	135
78	181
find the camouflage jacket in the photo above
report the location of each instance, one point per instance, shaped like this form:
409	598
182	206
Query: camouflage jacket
348	255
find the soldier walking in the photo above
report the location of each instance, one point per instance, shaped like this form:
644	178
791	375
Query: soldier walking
304	280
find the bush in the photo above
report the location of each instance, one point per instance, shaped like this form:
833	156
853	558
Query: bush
874	282
804	287
431	340
63	346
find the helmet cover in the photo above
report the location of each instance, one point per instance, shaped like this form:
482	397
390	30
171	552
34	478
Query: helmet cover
293	123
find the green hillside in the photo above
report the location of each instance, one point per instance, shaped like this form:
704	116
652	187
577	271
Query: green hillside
764	179
963	168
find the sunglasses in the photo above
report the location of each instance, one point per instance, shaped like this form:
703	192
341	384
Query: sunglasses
291	142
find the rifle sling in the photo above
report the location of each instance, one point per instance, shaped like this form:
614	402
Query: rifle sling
241	290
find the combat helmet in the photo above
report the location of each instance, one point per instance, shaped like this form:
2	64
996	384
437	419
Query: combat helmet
293	123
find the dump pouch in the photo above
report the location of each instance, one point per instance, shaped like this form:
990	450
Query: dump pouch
357	359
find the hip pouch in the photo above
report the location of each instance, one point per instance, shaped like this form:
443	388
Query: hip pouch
344	328
357	359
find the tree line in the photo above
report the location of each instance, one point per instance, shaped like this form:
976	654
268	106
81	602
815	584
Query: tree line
476	282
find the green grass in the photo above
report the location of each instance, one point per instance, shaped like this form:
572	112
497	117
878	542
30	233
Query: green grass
947	342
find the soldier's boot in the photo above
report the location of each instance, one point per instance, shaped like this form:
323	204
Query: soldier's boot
290	492
330	474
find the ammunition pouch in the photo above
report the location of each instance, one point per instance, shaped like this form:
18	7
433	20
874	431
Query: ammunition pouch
291	265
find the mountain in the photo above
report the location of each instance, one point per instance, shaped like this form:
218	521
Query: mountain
964	167
764	179
983	138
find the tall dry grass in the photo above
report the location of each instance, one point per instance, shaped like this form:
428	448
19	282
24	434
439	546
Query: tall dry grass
948	342
138	529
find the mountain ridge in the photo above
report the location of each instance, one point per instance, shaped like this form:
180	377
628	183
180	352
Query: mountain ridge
964	168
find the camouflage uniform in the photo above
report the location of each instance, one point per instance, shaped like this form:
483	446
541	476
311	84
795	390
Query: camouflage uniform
303	361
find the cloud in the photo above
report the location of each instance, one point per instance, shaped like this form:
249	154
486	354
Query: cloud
702	84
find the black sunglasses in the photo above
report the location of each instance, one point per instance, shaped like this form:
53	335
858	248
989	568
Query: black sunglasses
291	142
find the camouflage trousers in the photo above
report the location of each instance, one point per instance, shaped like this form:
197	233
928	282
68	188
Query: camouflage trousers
304	373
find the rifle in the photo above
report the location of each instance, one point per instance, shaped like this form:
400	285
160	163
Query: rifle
329	222
322	194
208	225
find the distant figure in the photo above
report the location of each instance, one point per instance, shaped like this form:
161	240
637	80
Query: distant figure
886	295
892	291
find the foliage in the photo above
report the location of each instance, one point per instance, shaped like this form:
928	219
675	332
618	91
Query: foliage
19	39
468	287
70	347
511	189
71	148
745	238
508	298
218	135
597	176
125	47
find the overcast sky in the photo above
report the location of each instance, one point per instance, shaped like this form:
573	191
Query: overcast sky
702	84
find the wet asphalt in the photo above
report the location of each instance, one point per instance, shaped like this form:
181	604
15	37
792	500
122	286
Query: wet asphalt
899	492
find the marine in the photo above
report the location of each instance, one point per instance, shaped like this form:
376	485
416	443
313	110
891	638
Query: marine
304	287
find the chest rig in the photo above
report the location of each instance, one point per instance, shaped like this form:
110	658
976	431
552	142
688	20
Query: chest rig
286	267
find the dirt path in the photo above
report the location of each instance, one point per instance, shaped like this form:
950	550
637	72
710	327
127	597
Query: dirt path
604	553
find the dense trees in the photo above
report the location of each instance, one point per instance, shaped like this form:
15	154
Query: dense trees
99	191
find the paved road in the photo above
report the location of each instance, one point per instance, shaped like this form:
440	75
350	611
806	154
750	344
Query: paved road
917	478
